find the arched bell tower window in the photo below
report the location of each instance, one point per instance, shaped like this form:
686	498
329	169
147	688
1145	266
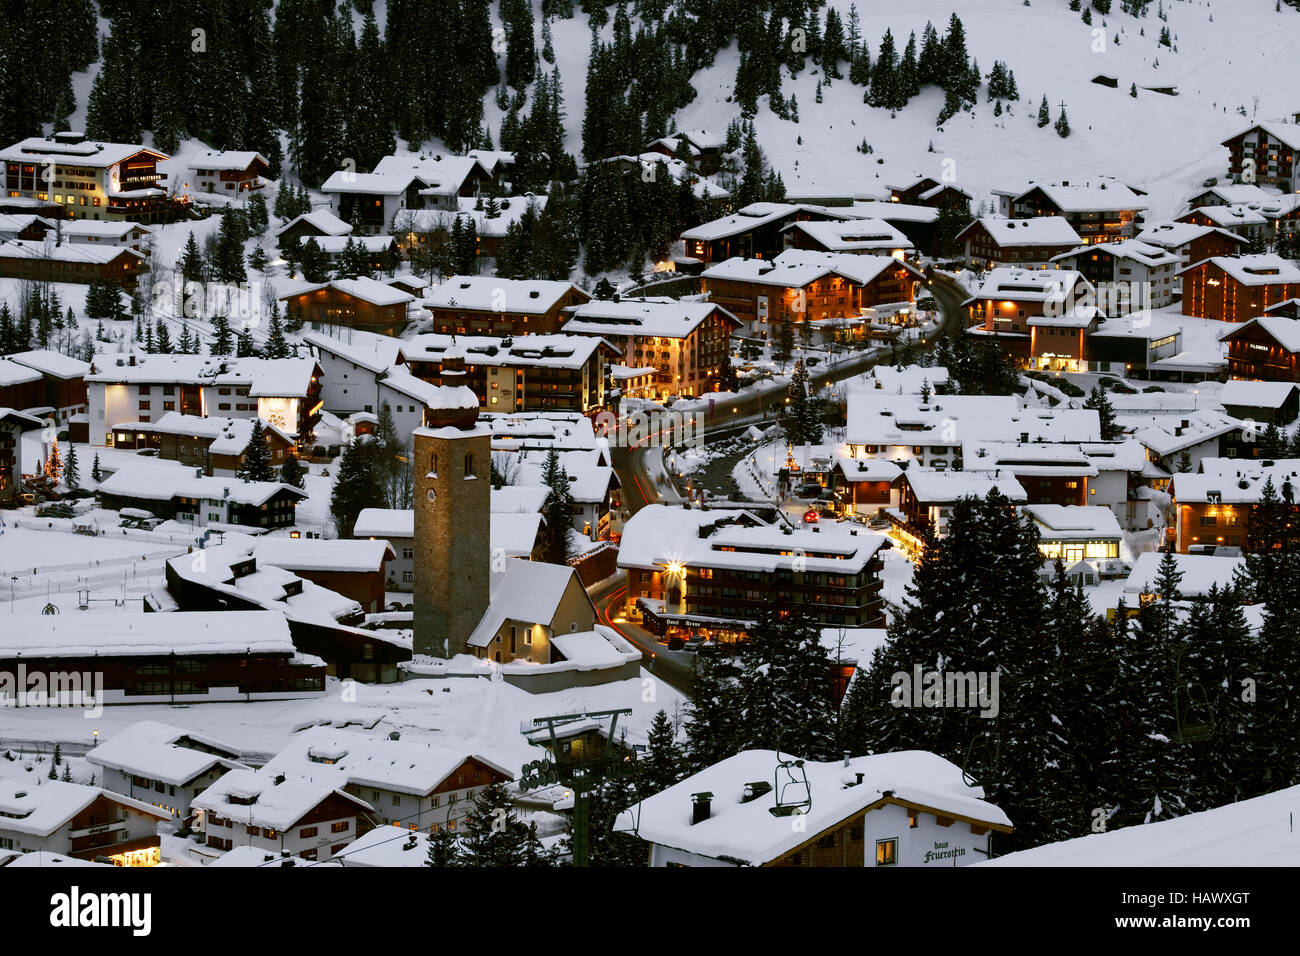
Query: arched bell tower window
469	465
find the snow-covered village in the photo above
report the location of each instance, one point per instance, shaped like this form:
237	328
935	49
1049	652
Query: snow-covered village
659	433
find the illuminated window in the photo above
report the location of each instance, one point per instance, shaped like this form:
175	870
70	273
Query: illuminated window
886	852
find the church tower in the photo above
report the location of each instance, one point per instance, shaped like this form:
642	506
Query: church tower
453	486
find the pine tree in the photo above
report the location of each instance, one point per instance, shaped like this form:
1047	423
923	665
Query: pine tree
1062	124
191	264
1099	402
223	339
557	512
663	764
444	848
356	486
256	464
1044	113
72	474
492	831
95	474
291	472
275	346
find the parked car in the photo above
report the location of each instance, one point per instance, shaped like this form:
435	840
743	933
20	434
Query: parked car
811	516
693	645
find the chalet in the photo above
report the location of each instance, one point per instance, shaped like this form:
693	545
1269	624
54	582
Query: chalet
915	222
801	286
1267	154
1129	275
179	658
1042	315
88	180
1265	348
361	303
486	305
756	231
927	497
409	785
30	227
1238	289
1214	507
227	172
46	261
1248	222
141	388
860	236
1051	472
272	811
1192	243
697	147
531	605
1228	194
1075	533
12	426
1288	308
85	823
1198	574
355	569
929	192
351	365
127	235
189	496
161	765
991	242
63	382
216	445
401	183
318	224
712	573
21	387
557	372
1105	212
593	485
323	623
1276	403
686	342
907	808
1189	438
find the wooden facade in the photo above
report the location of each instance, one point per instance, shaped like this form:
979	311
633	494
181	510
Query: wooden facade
1261	156
1257	354
463	320
330	306
1210	292
123	268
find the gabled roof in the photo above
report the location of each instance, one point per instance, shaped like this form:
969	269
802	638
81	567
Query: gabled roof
364	288
1031	231
1263	269
1106	195
100	155
227	159
367	349
1288	133
1256	394
527	591
76	252
39	811
159	751
320	219
276	806
747	833
1172	235
669	318
1148	255
1285	331
756	215
490	293
852	235
128	635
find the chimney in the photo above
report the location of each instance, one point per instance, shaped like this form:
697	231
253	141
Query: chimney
132	359
848	755
701	805
860	776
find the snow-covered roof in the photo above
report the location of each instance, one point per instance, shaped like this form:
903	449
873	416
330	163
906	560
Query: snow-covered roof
1031	231
322	220
908	379
894	211
128	635
385	523
74	229
154	481
1226	217
230	436
1075	522
1288	133
365	349
441	175
492	294
1199	573
756	215
265	378
39	811
49	362
749	834
1234	482
399	378
378	184
1147	254
590	648
158	751
1105	196
364	288
796	268
386	846
275	806
1256	394
522	591
1253	832
93	153
853	235
1263	269
931	486
1052	287
11	224
1283	329
556	350
1167	436
226	159
75	252
320	554
878	417
1173	235
667	318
